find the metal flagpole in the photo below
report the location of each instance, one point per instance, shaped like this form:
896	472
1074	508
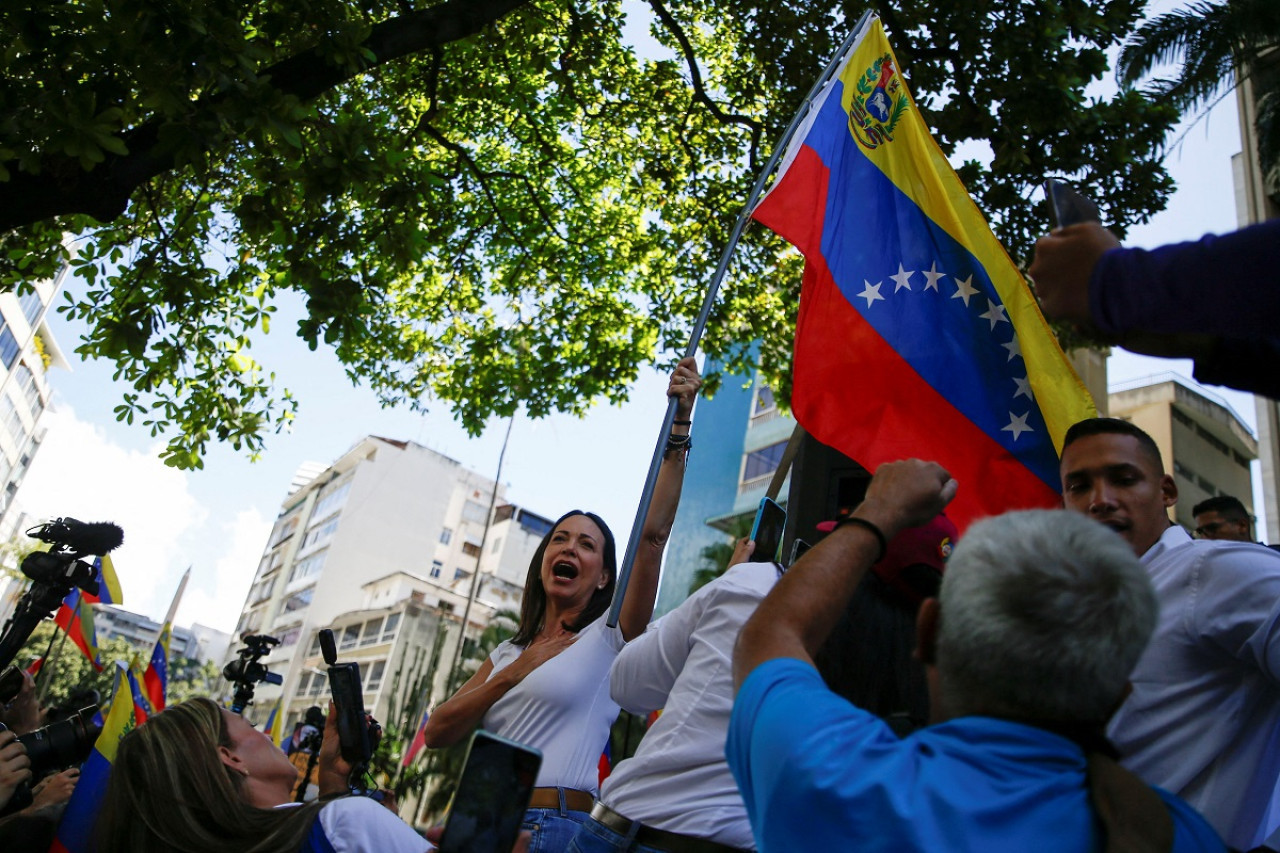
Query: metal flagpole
646	496
484	537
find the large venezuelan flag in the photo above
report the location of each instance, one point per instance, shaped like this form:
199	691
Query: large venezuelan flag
75	832
917	335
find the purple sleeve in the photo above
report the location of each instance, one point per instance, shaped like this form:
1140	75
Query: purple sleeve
1227	286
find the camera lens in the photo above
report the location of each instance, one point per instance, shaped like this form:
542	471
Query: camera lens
66	743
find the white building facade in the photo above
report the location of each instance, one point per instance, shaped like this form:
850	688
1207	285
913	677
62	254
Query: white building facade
382	547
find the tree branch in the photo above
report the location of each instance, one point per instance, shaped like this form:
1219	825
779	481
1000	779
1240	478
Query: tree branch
695	77
64	188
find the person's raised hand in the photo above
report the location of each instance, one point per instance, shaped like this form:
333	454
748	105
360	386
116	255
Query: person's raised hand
742	551
332	770
684	384
1062	267
906	494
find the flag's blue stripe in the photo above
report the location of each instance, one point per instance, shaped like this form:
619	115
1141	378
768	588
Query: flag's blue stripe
871	227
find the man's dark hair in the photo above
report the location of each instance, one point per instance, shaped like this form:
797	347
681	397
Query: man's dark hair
1113	426
1230	508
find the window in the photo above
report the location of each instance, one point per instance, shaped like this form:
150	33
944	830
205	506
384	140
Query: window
446	535
763	462
1240	460
284	529
350	637
308	567
8	346
318	534
471	549
436	566
375	675
331	497
389	630
315	645
290	635
303	684
26	382
460	573
1217	443
474	512
372	629
31	303
13	422
319	683
262	590
497	543
299	600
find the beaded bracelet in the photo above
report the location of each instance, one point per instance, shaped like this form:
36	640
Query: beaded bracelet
679	442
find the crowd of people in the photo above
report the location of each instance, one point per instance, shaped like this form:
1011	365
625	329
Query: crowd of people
1079	679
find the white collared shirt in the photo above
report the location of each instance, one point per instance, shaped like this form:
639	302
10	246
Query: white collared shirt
1204	717
679	780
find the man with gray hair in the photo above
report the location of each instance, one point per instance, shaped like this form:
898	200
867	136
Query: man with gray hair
1040	618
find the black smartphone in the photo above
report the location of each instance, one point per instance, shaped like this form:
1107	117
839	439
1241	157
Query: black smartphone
348	700
493	793
766	531
1068	207
798	548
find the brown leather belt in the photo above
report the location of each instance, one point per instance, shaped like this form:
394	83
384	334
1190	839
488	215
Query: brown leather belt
649	836
549	798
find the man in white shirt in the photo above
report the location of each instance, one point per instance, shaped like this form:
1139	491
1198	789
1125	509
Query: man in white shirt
677	793
1203	720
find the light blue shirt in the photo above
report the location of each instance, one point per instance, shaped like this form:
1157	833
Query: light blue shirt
818	773
1204	717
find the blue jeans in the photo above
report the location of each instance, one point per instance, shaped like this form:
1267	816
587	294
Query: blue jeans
595	837
552	828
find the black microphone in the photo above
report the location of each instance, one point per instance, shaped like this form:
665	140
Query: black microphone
80	537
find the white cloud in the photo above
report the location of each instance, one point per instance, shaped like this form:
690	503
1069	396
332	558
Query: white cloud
214	598
80	473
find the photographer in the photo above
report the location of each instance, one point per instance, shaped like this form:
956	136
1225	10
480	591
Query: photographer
199	778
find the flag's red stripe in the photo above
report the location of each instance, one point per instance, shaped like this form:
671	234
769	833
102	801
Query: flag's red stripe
885	411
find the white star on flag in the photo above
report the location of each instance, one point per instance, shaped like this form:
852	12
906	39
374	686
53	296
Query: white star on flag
902	279
931	277
871	293
995	314
1017	425
1014	348
964	290
1024	387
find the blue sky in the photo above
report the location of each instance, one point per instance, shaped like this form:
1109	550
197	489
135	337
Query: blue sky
217	519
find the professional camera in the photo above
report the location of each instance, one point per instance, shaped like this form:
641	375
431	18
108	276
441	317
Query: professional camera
66	743
358	732
246	671
54	573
